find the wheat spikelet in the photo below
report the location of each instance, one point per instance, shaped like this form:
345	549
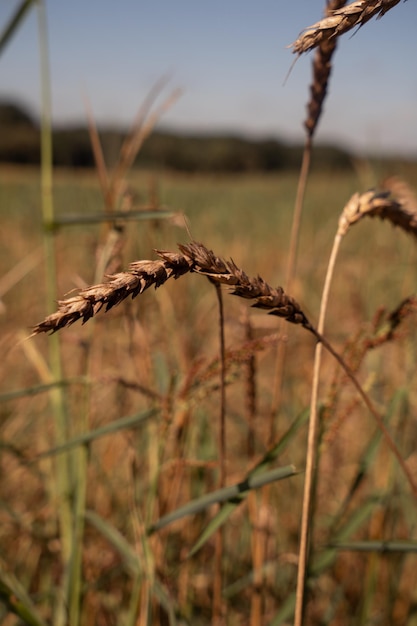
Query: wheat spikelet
402	192
321	73
379	204
341	21
141	275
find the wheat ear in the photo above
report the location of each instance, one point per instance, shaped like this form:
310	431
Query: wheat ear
321	72
141	275
341	21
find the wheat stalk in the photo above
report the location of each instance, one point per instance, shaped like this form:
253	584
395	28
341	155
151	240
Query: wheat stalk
341	21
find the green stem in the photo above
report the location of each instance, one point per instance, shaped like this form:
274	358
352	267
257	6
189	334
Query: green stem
56	395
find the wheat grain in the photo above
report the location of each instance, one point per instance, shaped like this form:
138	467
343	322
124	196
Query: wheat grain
341	21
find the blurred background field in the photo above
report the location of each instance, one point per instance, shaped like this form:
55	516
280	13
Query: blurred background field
161	350
121	503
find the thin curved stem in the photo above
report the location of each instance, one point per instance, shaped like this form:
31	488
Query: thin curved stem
389	440
291	264
218	608
311	457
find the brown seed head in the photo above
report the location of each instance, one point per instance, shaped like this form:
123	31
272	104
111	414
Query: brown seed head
341	21
141	275
378	204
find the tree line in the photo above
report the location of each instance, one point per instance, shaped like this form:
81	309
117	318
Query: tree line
20	144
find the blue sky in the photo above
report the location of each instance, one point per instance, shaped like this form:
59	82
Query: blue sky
231	59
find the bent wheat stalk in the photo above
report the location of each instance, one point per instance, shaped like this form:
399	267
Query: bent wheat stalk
341	21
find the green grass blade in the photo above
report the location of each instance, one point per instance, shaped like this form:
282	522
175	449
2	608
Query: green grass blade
132	562
358	517
17	601
14	23
245	582
367	458
131	421
228	508
58	404
239	491
97	218
217	521
116	539
327	558
375	546
164	599
33	391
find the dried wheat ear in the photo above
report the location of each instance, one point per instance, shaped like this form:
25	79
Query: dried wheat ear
341	21
141	275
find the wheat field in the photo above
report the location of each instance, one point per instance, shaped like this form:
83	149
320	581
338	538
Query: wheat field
174	455
154	362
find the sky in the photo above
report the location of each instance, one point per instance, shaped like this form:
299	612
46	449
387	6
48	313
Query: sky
230	58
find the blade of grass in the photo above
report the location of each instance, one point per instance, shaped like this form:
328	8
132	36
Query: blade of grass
19	271
367	459
375	546
14	23
244	583
223	495
327	557
228	508
131	421
145	214
116	539
96	146
63	484
140	130
131	560
36	389
218	606
17	601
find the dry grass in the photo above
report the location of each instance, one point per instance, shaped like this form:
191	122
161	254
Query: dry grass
159	353
195	257
144	447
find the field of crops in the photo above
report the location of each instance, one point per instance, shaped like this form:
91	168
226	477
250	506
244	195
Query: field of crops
129	432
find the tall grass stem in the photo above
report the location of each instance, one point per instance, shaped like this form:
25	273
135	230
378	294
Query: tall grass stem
311	455
57	399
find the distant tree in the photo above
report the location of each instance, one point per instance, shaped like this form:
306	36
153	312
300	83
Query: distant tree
14	114
19	143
